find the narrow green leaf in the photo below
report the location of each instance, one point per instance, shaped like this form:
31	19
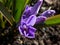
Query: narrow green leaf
6	14
20	4
53	20
2	22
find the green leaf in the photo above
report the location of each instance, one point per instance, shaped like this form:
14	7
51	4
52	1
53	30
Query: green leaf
19	7
2	22
54	20
6	14
1	0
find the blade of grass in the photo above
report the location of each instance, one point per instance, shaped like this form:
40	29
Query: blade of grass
54	20
1	21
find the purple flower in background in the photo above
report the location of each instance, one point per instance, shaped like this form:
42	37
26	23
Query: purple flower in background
26	28
29	19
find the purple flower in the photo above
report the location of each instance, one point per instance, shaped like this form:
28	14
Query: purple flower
29	19
44	16
48	13
26	28
32	10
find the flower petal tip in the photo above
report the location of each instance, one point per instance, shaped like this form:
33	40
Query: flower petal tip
20	30
53	11
31	37
40	0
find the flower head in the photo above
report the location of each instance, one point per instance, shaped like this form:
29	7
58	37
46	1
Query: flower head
29	19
